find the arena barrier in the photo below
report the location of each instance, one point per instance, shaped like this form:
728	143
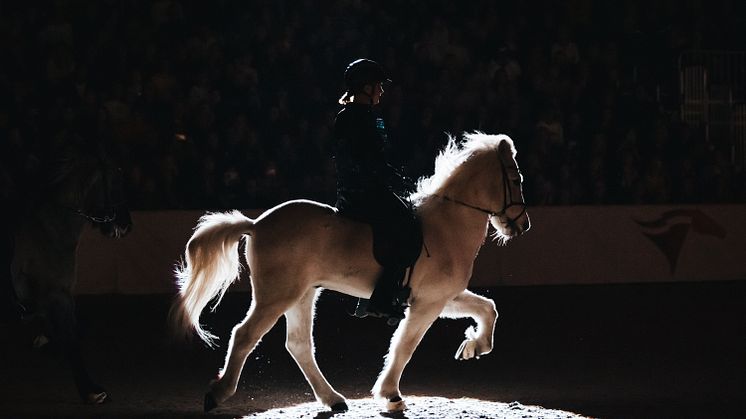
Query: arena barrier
566	245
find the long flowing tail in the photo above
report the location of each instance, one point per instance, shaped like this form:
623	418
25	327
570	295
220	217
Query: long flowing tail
210	267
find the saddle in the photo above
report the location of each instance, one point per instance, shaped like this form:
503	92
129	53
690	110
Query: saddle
397	248
397	243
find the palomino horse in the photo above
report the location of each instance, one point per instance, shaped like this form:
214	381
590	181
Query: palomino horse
83	187
298	247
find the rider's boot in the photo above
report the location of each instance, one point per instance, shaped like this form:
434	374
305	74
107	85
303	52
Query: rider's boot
389	298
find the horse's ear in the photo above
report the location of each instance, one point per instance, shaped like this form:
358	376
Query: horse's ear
505	148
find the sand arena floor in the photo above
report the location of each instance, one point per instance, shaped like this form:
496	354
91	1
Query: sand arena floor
631	351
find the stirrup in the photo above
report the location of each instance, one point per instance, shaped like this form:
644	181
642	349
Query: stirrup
393	321
395	316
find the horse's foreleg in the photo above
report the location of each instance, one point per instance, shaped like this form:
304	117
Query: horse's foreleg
405	340
300	345
245	336
60	310
482	310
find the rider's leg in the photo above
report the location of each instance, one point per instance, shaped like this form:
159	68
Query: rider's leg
386	298
397	240
390	242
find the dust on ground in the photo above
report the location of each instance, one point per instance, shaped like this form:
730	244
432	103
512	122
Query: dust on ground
420	407
627	351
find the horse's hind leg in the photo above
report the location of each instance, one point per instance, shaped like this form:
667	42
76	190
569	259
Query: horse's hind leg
260	318
7	294
300	345
482	310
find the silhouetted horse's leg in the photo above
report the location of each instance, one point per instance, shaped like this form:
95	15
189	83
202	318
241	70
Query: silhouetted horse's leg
60	309
406	338
7	294
482	310
300	345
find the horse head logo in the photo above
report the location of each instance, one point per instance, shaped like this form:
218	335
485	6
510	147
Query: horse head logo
670	230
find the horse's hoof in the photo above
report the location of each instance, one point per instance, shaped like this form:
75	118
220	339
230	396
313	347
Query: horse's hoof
340	407
396	404
97	398
467	350
210	402
40	341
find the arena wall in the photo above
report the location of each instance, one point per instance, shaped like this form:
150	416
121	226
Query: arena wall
566	245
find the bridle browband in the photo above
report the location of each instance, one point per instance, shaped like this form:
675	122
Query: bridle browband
507	198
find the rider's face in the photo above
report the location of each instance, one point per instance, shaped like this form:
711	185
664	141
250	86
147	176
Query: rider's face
375	91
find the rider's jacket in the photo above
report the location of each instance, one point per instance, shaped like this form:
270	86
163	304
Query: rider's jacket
363	173
367	186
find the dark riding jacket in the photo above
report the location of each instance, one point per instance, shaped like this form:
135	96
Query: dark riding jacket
367	184
363	171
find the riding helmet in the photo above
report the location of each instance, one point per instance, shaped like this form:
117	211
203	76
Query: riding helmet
364	71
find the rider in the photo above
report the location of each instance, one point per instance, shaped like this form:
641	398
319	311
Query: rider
367	187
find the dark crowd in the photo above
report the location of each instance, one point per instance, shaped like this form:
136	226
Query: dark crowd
229	104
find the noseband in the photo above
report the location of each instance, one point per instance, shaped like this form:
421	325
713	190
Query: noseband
94	219
507	199
109	204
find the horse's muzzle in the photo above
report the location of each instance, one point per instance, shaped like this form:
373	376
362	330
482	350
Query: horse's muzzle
519	226
526	225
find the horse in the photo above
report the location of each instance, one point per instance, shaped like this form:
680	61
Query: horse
82	187
300	247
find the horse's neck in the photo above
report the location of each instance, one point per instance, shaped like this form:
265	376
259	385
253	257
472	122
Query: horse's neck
59	222
467	227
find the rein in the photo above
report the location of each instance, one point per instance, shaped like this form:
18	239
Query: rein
109	206
474	207
92	218
507	199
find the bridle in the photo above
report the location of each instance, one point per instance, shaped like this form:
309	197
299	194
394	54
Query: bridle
94	219
507	199
109	207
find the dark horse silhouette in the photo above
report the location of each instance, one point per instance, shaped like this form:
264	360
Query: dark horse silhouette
79	185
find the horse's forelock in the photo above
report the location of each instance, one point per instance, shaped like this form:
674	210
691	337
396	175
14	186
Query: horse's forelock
73	164
73	174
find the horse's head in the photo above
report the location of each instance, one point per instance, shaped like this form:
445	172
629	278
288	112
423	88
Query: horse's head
91	185
480	173
111	215
512	219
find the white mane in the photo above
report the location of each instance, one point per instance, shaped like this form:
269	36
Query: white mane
452	157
